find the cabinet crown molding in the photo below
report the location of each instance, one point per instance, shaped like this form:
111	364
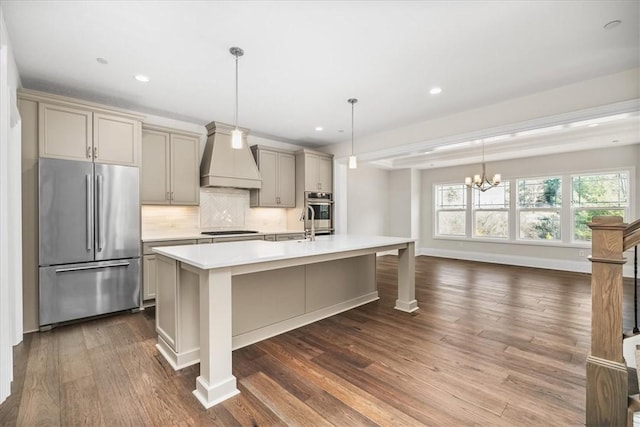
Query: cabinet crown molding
224	128
175	131
317	153
34	95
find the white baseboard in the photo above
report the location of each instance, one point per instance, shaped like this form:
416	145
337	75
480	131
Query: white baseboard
520	261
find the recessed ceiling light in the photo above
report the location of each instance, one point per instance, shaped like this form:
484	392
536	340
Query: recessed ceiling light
141	78
319	128
435	90
102	61
612	24
592	125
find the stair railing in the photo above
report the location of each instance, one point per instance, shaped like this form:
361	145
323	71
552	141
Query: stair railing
607	381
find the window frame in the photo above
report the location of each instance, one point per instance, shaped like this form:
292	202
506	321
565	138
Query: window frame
558	210
475	210
437	210
573	209
566	210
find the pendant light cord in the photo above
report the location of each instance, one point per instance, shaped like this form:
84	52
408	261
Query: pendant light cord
352	101
352	113
236	117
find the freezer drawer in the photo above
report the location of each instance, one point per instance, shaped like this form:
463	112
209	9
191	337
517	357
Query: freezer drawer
74	291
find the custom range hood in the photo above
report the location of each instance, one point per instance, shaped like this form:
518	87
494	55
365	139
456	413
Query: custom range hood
223	166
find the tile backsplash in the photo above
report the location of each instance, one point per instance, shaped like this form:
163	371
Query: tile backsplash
220	208
175	218
223	208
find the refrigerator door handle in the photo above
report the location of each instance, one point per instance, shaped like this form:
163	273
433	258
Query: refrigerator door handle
89	219
91	267
99	208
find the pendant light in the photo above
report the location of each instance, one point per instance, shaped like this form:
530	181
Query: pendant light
236	134
353	162
481	182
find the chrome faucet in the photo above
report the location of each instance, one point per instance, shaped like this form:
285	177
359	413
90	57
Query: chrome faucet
309	234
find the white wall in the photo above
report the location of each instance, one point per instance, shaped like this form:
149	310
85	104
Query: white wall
368	206
400	193
563	256
10	213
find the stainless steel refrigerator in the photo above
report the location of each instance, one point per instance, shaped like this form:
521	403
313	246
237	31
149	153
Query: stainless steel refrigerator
89	256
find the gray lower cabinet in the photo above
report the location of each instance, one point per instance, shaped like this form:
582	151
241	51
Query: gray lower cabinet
150	267
150	260
283	237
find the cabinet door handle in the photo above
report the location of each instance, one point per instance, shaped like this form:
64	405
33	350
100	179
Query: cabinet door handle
168	196
89	213
95	152
99	214
172	195
92	267
88	152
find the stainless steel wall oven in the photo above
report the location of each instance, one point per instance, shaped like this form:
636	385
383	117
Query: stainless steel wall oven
322	205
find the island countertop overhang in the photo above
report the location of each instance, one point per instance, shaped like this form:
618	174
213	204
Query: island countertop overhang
231	254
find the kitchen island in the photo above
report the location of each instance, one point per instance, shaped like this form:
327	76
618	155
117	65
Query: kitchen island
214	298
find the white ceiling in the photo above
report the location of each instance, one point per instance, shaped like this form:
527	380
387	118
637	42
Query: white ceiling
304	59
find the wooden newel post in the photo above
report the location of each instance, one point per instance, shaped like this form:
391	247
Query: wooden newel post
606	369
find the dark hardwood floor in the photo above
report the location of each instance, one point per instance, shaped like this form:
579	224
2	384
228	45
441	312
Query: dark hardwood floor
490	345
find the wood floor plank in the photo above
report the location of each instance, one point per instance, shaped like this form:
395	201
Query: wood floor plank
286	406
114	389
40	403
360	400
248	410
491	345
79	403
74	357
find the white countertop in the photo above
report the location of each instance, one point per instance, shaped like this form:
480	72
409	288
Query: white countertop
219	255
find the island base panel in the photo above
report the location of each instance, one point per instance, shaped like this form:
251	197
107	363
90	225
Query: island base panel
178	360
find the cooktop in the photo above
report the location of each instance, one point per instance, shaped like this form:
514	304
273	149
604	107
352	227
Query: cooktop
227	232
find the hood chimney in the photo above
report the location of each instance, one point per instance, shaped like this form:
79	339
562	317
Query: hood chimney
223	166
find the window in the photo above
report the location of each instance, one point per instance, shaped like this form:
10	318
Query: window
451	209
597	194
531	210
491	212
539	203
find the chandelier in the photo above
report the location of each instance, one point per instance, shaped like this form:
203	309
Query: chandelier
481	182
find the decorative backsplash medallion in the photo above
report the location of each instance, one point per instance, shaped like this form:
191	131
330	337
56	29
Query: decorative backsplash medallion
223	208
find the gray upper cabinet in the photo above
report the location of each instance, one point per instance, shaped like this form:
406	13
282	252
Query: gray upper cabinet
318	170
278	171
77	132
170	167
